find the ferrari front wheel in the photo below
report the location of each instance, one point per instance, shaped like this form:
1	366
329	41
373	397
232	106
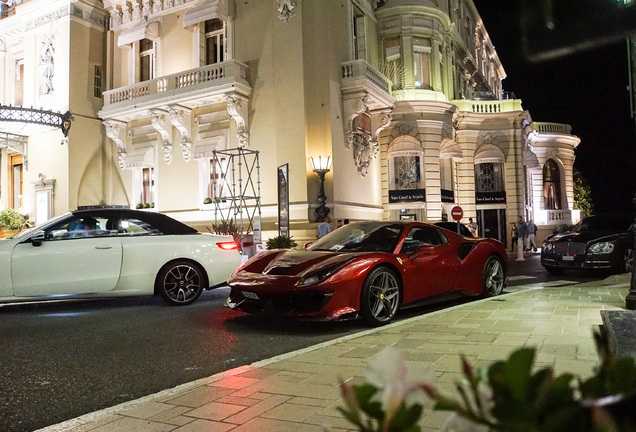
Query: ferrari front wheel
380	296
493	277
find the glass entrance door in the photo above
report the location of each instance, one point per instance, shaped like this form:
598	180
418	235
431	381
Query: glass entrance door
492	224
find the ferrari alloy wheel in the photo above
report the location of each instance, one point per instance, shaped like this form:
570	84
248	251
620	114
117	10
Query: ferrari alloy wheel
380	297
493	277
628	260
180	282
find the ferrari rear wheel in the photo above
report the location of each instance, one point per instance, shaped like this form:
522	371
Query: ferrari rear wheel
380	296
493	277
180	282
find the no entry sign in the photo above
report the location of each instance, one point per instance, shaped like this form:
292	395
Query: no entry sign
457	213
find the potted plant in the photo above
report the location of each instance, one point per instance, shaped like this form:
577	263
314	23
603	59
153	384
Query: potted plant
12	221
281	242
228	227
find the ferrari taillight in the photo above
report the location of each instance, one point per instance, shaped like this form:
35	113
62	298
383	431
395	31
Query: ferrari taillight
227	245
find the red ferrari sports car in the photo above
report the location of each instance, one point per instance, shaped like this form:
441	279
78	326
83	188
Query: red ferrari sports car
369	269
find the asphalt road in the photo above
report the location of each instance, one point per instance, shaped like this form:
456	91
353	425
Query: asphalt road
59	361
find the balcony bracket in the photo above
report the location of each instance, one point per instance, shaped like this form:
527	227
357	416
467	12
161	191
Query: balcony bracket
158	121
116	131
177	116
237	108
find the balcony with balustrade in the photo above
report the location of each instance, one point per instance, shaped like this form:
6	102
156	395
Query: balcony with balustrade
359	77
191	88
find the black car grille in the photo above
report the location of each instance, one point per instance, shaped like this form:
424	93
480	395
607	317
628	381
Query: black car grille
569	248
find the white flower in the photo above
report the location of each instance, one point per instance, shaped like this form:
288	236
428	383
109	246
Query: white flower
397	382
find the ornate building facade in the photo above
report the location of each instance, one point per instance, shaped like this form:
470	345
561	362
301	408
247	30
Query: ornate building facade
404	96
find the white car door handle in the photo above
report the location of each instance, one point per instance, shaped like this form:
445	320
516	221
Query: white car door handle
103	247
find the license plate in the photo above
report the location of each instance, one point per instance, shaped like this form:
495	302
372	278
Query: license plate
250	295
567	258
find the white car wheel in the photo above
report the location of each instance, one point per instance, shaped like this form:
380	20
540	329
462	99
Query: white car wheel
180	282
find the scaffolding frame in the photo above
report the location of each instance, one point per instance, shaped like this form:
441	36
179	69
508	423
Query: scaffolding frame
237	194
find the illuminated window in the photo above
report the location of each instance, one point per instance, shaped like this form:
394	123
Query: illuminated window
422	63
489	177
405	157
147	185
215	41
217	185
551	186
146	60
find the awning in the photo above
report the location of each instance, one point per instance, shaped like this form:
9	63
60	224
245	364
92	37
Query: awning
489	153
142	158
530	159
449	149
204	11
146	31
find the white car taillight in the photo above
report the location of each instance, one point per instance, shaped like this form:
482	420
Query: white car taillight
227	245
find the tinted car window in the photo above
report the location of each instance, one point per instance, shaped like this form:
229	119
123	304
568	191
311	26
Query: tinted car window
361	237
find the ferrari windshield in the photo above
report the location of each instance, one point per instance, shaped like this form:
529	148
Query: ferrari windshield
361	237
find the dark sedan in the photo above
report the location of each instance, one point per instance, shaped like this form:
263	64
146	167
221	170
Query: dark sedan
602	242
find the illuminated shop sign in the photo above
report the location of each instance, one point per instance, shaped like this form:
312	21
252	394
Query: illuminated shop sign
407	195
490	197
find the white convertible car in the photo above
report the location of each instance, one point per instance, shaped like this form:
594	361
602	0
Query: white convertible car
114	252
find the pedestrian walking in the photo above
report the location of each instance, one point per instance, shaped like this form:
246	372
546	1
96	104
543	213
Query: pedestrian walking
472	227
532	231
513	236
324	228
522	232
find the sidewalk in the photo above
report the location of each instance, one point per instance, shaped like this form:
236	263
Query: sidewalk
298	392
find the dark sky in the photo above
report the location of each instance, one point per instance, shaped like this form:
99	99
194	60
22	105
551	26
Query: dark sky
586	88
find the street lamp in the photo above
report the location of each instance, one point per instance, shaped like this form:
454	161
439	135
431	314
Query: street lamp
321	166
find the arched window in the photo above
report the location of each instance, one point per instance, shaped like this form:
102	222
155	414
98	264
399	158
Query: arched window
405	164
551	186
489	169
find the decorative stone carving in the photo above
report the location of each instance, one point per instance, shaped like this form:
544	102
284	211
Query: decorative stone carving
114	131
404	129
364	151
157	119
115	18
146	8
47	64
237	108
286	9
136	10
176	118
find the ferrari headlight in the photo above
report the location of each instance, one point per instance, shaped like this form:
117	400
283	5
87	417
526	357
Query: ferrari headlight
322	274
601	248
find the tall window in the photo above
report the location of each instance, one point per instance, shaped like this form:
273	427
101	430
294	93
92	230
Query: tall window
146	59
358	32
16	181
18	97
551	186
422	63
446	179
217	186
147	185
489	177
97	81
215	41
